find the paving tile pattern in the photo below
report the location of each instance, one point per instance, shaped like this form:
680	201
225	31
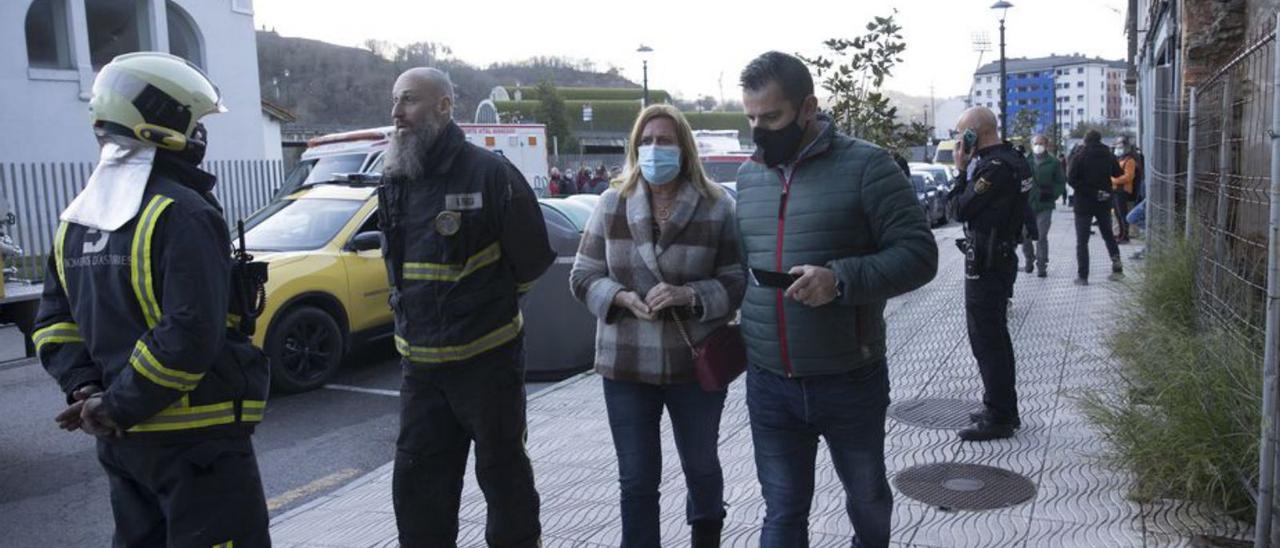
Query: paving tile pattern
1058	331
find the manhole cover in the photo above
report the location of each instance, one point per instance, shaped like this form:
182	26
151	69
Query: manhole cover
956	486
936	413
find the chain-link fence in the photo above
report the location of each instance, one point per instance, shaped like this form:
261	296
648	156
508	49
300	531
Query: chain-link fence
1229	206
1165	161
1211	183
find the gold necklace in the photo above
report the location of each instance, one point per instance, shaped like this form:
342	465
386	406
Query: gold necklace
662	211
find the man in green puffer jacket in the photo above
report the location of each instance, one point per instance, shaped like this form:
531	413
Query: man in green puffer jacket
839	217
1048	184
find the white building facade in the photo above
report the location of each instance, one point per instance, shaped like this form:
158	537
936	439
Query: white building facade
1086	90
51	51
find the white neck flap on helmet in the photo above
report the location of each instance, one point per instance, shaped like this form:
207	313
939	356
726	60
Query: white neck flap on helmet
113	195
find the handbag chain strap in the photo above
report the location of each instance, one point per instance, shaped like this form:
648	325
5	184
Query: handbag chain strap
684	334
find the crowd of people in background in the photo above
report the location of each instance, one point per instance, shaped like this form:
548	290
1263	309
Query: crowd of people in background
583	181
1108	184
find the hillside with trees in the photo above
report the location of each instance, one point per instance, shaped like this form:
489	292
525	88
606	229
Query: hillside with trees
328	85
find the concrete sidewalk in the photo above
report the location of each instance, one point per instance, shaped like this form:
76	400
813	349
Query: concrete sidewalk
1059	331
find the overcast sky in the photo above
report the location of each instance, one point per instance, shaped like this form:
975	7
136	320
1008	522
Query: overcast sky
696	41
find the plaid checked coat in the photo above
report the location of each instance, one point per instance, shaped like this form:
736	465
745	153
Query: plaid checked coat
697	248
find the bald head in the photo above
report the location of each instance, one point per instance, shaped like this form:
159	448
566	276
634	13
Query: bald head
426	80
983	122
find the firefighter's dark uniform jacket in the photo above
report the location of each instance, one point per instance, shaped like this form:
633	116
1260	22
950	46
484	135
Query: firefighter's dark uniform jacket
461	245
143	312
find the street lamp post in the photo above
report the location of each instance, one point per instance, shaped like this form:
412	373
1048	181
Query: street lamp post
644	52
1003	6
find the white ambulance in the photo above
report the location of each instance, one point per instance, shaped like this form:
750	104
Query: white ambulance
331	157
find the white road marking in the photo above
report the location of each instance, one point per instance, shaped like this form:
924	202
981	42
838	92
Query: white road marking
362	390
326	482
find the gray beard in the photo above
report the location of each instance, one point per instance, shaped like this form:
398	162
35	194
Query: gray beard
407	155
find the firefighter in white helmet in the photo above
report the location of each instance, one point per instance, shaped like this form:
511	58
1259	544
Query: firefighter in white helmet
141	318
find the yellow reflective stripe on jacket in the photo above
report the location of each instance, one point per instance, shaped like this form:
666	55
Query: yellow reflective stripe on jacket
148	366
227	544
182	417
525	287
436	272
58	333
233	321
442	354
252	410
140	272
57	255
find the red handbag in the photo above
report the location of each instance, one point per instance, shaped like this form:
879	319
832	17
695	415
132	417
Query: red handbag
719	358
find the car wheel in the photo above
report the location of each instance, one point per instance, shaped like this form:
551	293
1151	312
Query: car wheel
305	348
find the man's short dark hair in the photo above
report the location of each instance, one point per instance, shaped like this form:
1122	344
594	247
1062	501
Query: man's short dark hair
1093	137
790	73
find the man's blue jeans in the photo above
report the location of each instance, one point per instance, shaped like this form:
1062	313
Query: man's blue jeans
635	418
788	416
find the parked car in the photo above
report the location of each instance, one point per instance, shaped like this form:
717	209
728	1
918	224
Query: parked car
723	168
941	174
327	290
945	155
932	200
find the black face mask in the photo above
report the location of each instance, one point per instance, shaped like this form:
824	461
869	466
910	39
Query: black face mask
779	145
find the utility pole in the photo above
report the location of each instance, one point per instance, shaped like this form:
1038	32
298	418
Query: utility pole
721	82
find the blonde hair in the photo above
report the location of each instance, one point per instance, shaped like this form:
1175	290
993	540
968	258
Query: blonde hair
690	165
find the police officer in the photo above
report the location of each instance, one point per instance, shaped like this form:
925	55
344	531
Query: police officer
135	322
464	237
990	199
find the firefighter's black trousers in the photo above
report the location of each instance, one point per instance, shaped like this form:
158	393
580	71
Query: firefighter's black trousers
443	410
205	493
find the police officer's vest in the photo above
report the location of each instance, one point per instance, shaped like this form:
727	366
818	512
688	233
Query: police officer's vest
453	296
231	393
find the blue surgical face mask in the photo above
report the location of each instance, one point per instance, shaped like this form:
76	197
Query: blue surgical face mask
659	163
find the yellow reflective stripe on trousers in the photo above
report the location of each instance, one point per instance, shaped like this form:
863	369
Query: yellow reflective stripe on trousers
201	416
58	333
57	255
148	366
140	272
437	272
442	354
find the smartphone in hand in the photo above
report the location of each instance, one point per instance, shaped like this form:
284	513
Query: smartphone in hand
770	278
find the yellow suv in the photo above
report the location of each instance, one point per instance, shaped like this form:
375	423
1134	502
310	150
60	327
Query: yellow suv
327	286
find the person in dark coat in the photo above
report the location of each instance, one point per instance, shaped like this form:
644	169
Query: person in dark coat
1090	175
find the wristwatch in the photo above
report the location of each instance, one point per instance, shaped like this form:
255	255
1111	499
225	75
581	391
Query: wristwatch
839	289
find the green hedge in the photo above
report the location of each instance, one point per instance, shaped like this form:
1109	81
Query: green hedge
530	93
619	116
720	120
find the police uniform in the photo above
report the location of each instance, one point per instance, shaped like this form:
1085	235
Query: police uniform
143	313
461	245
990	199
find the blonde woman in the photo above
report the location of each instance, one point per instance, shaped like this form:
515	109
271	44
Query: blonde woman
661	248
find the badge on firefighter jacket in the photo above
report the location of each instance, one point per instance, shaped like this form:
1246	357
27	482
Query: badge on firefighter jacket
448	223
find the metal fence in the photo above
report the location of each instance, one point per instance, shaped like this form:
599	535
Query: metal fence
1214	181
1226	204
38	192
